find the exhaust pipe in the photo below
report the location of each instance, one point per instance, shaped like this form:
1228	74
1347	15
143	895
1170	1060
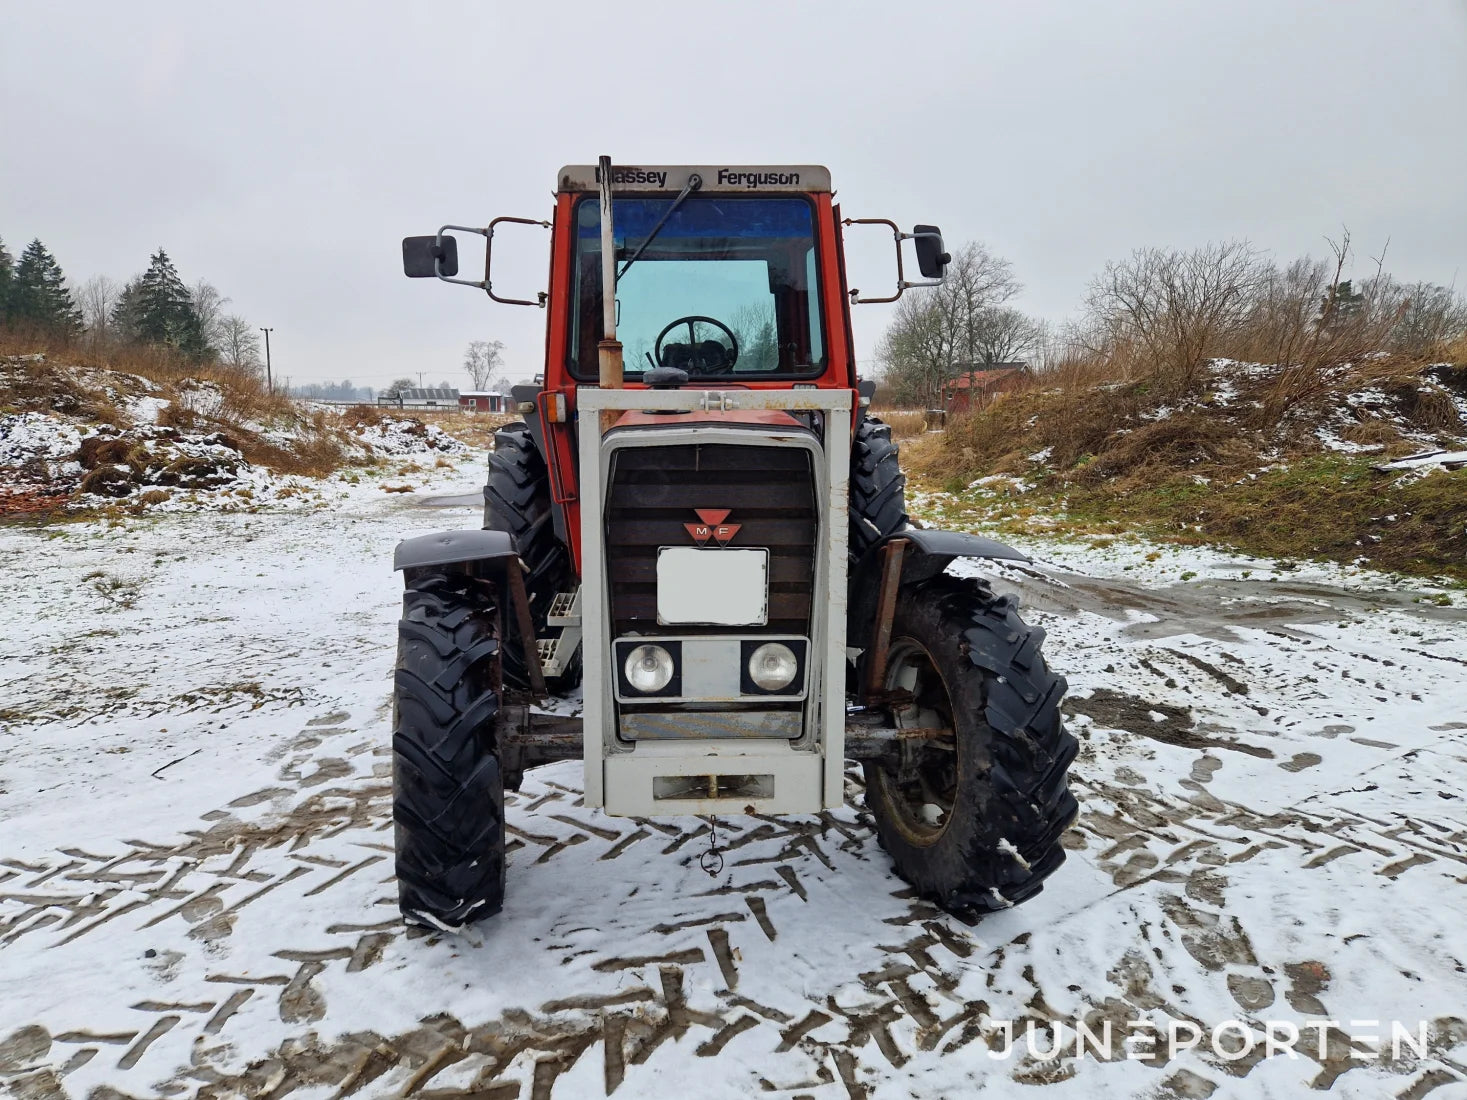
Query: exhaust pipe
609	376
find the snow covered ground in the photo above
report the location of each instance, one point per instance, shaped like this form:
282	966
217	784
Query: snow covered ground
195	871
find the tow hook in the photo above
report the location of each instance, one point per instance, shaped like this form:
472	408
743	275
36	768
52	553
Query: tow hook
712	860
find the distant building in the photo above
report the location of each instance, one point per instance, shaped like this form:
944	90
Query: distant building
977	386
421	399
483	401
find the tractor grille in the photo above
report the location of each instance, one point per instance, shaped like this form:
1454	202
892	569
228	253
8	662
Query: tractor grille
654	491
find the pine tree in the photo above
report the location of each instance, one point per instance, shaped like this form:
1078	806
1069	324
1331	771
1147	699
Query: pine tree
39	297
1341	306
156	308
126	312
7	280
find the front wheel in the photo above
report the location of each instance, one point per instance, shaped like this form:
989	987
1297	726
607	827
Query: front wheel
447	787
972	818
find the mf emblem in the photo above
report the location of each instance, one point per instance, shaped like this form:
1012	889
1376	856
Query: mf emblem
712	526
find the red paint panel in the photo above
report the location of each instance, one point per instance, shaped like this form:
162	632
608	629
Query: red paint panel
560	437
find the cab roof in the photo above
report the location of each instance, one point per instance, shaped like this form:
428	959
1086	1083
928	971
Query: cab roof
803	178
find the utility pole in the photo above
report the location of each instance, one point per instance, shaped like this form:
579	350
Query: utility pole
420	379
269	383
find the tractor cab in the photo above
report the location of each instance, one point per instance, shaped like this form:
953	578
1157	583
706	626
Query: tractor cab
696	573
725	287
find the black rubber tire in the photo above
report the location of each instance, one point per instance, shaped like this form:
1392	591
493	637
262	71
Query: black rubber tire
517	500
1012	802
878	489
447	789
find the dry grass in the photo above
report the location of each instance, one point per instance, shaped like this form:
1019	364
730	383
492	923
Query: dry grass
245	394
905	423
475	429
1102	449
311	454
38	385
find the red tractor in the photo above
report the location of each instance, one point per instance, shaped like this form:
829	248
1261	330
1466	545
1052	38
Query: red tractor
699	527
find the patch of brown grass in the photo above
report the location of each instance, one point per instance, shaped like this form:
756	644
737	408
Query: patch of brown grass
365	415
1181	442
38	385
905	423
1371	433
1074	424
475	429
316	453
1424	406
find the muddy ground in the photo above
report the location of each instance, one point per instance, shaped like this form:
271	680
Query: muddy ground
196	894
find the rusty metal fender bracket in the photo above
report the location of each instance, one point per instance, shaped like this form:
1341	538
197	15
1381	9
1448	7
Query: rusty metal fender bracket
891	579
514	575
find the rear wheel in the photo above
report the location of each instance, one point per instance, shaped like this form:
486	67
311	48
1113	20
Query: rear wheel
972	819
447	788
878	501
517	500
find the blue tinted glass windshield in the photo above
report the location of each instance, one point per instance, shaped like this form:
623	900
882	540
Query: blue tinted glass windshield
727	287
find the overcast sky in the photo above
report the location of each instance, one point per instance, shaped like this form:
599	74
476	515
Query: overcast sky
282	150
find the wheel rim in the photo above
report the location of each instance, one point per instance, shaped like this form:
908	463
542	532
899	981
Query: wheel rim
921	783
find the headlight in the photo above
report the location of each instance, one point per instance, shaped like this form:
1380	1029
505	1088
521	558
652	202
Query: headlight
772	666
649	668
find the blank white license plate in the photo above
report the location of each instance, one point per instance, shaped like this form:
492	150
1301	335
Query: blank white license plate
712	587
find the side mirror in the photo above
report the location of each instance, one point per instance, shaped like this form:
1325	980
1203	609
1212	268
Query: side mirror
932	260
422	255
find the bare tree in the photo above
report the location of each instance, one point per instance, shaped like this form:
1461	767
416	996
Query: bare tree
932	337
397	386
1283	321
209	305
1176	308
1006	335
916	353
1432	317
239	342
484	359
97	297
753	328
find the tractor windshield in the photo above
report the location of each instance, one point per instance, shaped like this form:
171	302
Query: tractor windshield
728	287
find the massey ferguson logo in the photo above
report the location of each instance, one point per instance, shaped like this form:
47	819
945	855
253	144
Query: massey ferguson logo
712	526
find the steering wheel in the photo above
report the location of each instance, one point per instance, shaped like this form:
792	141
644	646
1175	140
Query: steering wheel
695	356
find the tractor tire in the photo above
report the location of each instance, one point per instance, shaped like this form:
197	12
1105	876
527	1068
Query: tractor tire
878	504
517	501
974	821
447	788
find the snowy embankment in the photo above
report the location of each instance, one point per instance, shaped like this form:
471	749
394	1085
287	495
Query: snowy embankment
196	894
75	439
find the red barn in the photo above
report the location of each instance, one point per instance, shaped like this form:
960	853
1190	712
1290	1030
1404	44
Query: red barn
976	387
482	401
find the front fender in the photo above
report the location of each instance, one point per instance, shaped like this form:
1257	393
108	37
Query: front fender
953	544
927	554
453	548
